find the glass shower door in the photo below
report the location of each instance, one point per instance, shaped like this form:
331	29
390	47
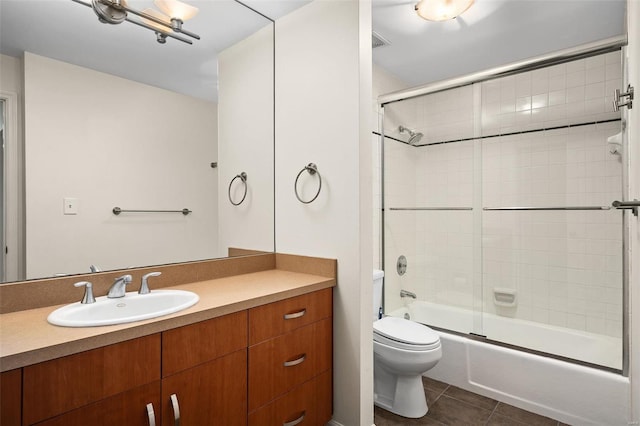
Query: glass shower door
552	244
428	210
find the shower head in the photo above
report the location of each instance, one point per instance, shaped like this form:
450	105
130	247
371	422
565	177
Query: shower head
414	137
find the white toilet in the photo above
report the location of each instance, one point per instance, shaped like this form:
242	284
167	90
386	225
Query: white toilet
402	351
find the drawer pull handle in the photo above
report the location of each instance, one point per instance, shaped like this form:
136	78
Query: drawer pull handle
176	409
295	315
151	415
296	361
296	421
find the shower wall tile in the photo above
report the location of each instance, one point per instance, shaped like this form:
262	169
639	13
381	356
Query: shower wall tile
579	91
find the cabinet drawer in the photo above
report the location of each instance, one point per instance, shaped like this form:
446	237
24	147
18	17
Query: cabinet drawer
308	404
60	385
278	318
127	408
195	344
214	393
297	407
279	364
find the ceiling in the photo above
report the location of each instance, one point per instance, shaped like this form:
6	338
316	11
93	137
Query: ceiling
490	33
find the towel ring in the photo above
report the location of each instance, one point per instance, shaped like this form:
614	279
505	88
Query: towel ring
243	177
312	169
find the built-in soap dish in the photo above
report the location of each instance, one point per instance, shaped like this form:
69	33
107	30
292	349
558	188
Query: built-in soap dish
505	297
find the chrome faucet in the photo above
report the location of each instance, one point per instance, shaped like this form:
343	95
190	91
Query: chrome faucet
144	287
118	288
405	293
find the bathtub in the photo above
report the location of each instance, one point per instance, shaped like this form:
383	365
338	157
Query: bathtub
568	392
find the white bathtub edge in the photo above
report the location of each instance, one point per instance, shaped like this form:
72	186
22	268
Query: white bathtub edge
567	392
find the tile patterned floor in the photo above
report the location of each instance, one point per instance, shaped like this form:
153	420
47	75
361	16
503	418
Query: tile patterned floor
449	405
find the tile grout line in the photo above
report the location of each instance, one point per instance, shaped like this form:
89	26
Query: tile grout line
492	411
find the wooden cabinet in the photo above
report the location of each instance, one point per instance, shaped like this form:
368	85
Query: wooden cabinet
208	373
290	361
128	408
205	372
10	398
64	384
214	393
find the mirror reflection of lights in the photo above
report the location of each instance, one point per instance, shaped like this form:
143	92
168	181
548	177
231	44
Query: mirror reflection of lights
442	10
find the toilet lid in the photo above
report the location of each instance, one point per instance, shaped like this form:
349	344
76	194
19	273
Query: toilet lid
405	332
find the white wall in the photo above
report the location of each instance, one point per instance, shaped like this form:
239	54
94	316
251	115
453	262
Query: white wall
633	67
245	108
323	113
11	90
112	142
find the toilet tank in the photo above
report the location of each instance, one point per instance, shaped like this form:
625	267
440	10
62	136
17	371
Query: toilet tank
378	277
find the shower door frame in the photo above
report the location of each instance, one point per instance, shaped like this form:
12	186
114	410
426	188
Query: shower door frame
558	57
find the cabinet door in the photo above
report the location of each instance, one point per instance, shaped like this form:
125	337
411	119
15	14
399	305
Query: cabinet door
64	384
195	344
11	398
125	409
214	393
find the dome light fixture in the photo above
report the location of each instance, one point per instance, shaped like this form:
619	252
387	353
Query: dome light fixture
442	10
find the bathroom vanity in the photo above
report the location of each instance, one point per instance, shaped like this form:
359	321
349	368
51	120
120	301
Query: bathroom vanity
256	350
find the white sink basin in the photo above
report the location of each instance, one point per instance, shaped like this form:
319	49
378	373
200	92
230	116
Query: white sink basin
132	307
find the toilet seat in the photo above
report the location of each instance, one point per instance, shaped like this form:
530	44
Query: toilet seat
405	334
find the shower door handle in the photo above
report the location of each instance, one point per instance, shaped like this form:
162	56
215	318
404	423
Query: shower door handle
627	205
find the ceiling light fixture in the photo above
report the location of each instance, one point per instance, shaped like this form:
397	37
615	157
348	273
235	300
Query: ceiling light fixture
167	23
442	10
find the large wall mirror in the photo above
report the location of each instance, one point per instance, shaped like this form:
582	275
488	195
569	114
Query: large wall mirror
105	116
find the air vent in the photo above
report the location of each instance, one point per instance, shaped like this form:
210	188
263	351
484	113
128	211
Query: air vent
378	41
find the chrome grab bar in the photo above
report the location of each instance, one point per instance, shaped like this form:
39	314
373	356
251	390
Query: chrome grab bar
428	208
549	208
118	210
627	205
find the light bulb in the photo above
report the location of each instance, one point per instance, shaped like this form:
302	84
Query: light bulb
441	10
177	9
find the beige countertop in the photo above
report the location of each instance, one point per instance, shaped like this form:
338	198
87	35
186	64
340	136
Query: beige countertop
27	338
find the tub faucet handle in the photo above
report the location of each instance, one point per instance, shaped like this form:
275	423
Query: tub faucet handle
144	287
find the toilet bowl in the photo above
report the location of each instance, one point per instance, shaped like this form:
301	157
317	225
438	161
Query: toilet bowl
403	350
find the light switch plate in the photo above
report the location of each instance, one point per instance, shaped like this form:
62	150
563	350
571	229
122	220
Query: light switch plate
71	206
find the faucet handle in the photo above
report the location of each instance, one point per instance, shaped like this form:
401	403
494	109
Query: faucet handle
88	292
144	287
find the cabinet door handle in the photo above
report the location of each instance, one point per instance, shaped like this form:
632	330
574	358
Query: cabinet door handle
295	315
176	409
296	361
151	415
296	421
